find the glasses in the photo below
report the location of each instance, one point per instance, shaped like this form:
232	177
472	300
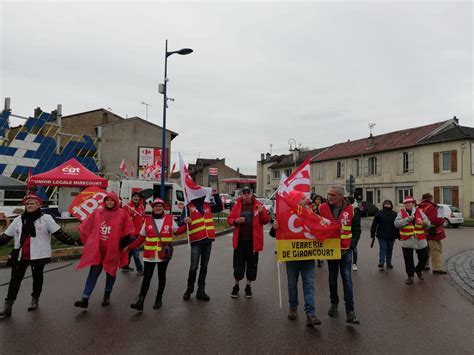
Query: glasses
246	193
333	195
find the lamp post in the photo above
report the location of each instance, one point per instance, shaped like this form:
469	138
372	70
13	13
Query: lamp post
183	51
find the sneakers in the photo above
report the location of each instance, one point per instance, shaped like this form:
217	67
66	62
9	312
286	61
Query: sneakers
312	320
351	318
248	292
127	268
381	266
420	275
235	291
292	315
201	295
83	303
354	267
439	272
333	311
409	281
389	266
34	304
140	272
106	299
7	309
187	294
158	302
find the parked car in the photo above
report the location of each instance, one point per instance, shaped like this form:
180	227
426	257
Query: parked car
227	201
452	215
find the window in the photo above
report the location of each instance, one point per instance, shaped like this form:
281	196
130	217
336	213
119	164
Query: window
319	174
402	192
276	174
287	172
356	167
268	179
447	195
378	194
405	162
179	195
446	161
373	166
369	196
339	170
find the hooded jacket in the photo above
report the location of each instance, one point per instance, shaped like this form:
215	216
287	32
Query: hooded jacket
431	211
137	214
105	228
258	223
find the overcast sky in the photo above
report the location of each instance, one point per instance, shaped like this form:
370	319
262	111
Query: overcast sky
261	73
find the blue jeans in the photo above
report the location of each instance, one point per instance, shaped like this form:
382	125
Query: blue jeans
199	252
135	253
306	268
385	251
94	273
354	256
345	264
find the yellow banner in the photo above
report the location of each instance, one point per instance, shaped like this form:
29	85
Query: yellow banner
304	249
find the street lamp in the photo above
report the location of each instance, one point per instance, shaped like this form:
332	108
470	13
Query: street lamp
183	51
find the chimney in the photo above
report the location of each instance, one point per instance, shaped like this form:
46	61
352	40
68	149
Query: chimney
238	170
370	141
456	120
268	156
262	157
37	112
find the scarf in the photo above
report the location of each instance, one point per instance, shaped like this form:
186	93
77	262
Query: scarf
28	221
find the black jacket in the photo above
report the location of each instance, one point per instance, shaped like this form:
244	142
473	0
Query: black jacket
383	225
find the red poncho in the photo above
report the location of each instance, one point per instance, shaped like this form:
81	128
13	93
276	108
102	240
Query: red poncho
137	213
101	233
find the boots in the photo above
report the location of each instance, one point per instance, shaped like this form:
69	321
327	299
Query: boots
106	300
158	302
139	304
201	295
7	309
83	303
187	294
34	304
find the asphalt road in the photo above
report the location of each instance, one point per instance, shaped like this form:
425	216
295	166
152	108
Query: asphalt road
428	317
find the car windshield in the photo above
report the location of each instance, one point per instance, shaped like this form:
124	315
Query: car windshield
454	209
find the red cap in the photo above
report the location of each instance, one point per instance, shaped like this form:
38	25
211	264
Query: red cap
32	197
409	199
157	201
296	196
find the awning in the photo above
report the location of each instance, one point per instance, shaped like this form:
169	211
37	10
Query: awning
239	181
71	173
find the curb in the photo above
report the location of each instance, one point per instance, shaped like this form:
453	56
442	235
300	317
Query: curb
459	269
76	251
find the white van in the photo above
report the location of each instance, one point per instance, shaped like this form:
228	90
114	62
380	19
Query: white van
174	194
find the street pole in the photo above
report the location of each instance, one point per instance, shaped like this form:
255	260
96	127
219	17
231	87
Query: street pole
163	141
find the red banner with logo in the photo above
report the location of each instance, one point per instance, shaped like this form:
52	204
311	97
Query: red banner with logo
87	202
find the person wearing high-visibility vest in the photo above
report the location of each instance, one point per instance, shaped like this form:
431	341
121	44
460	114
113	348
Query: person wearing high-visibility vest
412	221
157	235
339	210
198	216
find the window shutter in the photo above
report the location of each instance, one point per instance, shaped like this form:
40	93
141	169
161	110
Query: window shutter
400	163
455	196
436	194
410	162
436	162
454	162
366	167
379	165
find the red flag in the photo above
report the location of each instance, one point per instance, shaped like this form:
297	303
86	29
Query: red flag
191	189
123	167
86	202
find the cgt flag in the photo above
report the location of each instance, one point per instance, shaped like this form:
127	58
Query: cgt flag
123	167
302	234
191	189
86	202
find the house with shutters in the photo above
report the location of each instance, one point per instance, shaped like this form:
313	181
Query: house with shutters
436	158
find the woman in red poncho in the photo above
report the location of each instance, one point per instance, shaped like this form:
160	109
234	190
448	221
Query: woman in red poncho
104	235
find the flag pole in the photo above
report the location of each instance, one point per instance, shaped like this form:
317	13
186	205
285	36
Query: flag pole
279	283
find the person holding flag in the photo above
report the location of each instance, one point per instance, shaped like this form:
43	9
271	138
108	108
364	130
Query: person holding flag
248	216
136	211
197	215
341	212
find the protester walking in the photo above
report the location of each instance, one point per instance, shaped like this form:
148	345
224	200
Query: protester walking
338	210
316	201
248	216
198	216
305	268
157	234
31	233
412	222
434	234
104	234
384	230
136	211
355	254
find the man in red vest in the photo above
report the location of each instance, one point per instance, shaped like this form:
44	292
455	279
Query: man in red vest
339	210
248	216
198	216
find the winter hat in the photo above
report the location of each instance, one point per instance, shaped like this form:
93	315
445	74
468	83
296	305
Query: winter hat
426	196
32	197
157	201
409	199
